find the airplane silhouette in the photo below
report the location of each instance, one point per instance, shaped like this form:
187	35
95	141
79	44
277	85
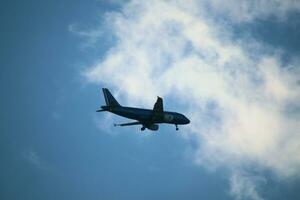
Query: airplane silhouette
146	117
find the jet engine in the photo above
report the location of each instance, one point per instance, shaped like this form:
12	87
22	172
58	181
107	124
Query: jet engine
153	127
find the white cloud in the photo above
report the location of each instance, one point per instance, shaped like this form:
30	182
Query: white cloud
249	10
33	158
238	99
92	36
245	187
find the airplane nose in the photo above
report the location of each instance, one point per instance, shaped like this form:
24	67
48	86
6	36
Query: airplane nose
187	121
181	119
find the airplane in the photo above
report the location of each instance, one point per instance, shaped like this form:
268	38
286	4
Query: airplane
146	117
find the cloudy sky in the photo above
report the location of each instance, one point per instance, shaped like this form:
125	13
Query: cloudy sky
233	68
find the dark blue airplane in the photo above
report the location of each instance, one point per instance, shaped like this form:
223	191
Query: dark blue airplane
147	118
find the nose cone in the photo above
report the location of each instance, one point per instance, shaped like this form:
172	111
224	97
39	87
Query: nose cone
186	120
181	119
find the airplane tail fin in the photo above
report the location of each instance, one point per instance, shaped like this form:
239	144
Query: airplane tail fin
109	99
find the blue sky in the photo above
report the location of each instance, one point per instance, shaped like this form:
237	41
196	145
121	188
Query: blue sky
226	70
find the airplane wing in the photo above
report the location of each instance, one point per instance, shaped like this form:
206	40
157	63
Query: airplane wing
128	124
158	106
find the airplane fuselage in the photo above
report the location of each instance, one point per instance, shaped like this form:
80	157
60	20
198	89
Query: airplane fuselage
147	115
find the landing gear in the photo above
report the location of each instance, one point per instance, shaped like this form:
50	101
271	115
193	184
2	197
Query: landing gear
143	128
176	127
